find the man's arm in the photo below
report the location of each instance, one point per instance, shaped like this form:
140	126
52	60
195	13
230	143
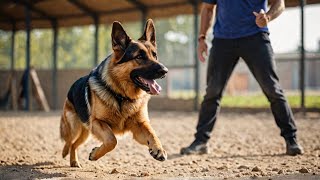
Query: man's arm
276	8
205	22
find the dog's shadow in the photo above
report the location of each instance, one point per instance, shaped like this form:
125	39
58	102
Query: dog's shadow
27	171
174	156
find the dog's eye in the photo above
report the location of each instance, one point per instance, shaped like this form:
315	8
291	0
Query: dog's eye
139	57
154	55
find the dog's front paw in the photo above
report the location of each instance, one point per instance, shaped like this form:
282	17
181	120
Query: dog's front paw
158	153
92	154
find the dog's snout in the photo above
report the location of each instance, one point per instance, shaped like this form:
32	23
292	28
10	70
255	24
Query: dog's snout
163	69
156	71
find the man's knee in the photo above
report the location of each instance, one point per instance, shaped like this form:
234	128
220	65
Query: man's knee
213	93
274	93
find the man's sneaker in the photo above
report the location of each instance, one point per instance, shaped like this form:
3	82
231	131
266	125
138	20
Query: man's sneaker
196	147
293	148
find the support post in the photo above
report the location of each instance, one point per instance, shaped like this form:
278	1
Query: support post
26	83
196	61
13	35
143	19
96	39
302	59
13	84
54	64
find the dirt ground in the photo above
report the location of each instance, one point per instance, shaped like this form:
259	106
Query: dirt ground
243	146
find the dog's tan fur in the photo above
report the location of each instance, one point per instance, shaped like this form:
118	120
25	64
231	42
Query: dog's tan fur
106	118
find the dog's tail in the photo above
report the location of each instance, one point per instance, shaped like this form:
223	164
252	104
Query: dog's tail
65	131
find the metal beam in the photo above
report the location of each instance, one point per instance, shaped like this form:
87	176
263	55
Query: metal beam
143	20
111	12
193	2
196	61
26	80
8	19
37	1
96	40
83	7
6	16
34	9
54	64
13	35
302	58
138	4
143	8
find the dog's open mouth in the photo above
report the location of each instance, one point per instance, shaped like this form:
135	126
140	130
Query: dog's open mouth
149	85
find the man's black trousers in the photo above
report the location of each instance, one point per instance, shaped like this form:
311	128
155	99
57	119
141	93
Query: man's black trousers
257	53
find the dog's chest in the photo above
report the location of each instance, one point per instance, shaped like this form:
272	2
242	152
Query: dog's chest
114	115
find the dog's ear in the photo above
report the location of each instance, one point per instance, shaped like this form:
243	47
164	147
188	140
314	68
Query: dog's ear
120	39
149	33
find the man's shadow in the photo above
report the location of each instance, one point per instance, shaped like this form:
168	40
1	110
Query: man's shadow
24	171
178	155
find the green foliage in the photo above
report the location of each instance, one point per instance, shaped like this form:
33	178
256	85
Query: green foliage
20	50
76	44
254	101
41	49
75	47
175	40
312	100
5	45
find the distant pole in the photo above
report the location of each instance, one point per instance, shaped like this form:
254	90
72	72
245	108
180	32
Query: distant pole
302	58
196	75
96	39
13	35
54	64
143	19
26	84
12	69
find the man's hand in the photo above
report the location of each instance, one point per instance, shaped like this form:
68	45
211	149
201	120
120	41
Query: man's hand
202	49
262	18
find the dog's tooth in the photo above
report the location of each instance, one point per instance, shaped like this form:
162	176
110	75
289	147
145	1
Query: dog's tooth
141	79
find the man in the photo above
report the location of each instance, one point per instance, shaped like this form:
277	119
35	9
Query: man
240	30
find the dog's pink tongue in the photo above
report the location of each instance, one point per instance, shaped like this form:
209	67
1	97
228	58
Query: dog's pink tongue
155	88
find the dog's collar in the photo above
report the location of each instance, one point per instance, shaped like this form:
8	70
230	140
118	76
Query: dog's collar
117	96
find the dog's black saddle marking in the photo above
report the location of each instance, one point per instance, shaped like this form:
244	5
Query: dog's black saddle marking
79	95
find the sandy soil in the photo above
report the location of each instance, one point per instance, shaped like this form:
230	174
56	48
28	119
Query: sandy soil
243	146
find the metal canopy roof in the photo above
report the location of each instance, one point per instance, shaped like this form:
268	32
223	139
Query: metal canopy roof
67	13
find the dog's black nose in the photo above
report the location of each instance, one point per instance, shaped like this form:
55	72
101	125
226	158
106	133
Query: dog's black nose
162	69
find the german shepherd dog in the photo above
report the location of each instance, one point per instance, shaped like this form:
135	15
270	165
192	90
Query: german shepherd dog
113	98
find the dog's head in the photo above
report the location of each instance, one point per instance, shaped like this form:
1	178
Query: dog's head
136	62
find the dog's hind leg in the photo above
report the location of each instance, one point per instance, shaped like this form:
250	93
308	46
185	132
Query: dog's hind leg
66	149
74	162
72	132
65	128
104	133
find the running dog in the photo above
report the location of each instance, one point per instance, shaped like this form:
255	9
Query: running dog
113	98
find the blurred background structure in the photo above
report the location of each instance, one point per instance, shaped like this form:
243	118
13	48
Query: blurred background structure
65	39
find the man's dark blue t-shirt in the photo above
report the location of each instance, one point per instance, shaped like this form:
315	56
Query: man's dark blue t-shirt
235	18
